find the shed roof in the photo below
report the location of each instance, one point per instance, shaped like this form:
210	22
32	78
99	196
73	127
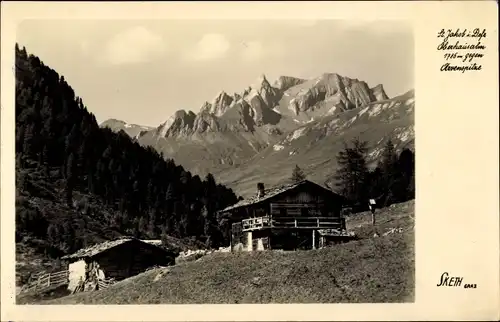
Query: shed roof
273	192
99	248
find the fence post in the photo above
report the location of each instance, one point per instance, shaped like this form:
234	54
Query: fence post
48	280
295	223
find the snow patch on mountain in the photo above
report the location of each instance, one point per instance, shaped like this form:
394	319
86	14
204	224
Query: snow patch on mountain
405	134
278	147
376	110
296	134
350	122
332	110
333	122
363	111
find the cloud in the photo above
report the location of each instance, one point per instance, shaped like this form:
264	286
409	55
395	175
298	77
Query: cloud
255	50
134	45
209	47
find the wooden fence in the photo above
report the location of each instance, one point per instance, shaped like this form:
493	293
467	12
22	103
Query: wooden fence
104	284
41	282
44	281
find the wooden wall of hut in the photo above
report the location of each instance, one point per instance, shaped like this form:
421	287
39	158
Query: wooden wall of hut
290	239
320	202
131	258
237	235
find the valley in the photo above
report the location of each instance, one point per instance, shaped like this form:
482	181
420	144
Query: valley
80	183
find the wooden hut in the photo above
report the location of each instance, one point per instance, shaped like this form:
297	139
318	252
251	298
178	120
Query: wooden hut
116	260
288	217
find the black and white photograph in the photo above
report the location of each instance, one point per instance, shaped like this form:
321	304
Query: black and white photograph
214	162
224	161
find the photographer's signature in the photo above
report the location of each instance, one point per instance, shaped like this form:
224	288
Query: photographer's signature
453	281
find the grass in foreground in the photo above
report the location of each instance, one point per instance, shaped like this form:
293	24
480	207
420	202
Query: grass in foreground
365	271
375	270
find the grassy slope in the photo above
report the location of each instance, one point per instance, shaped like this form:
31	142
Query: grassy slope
369	270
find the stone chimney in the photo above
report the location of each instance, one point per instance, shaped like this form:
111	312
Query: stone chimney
260	190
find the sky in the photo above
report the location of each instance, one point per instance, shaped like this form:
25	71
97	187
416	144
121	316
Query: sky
142	71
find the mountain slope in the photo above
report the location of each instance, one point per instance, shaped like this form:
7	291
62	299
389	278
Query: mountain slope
233	129
131	129
314	146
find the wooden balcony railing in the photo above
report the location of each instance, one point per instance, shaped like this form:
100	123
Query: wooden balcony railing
291	222
256	223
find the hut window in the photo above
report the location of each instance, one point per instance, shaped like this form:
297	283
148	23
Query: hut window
283	212
304	212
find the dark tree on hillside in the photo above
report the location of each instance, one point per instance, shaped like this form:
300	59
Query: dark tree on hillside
395	175
297	174
55	133
387	170
352	173
389	159
404	186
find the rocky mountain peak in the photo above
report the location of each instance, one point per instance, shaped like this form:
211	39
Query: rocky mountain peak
331	92
219	105
221	98
206	107
263	104
114	121
206	122
379	93
285	82
269	95
263	82
180	122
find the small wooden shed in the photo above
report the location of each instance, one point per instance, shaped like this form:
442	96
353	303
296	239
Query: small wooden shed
117	259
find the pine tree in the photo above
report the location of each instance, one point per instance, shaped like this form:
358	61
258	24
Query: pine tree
404	187
388	162
297	174
53	234
352	173
29	134
70	179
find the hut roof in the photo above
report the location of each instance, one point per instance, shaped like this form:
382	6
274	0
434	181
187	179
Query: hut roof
99	248
273	192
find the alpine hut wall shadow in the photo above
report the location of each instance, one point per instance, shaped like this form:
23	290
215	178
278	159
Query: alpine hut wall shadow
295	216
116	259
